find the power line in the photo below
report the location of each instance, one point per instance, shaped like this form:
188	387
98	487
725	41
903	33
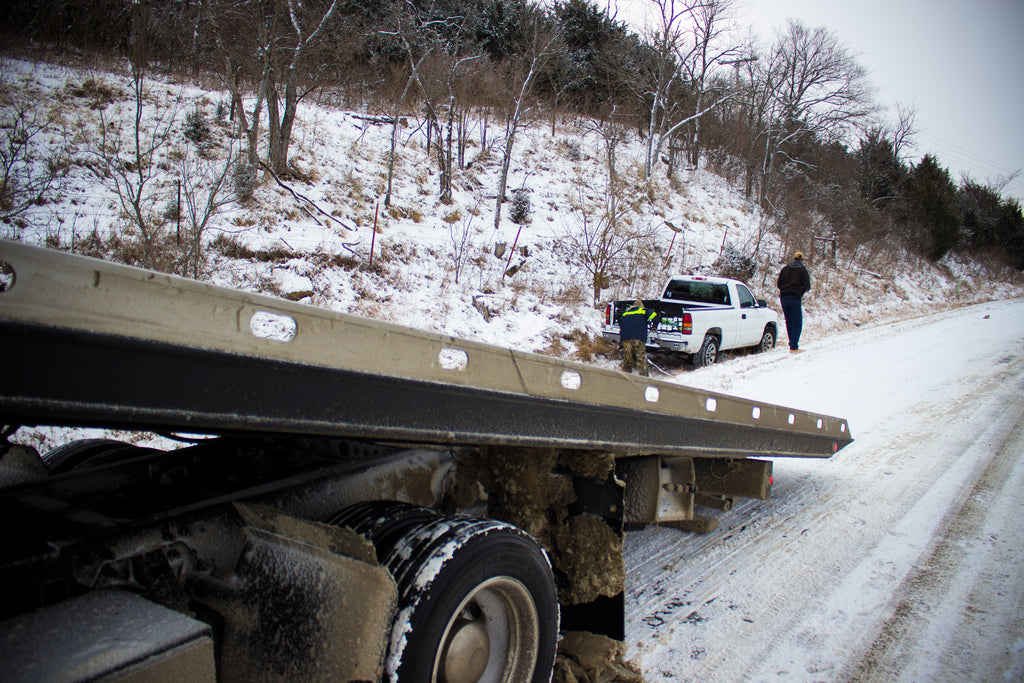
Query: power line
975	164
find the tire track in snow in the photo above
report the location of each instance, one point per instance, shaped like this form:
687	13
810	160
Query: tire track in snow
749	601
964	578
849	613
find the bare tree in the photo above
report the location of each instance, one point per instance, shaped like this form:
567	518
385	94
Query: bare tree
233	53
275	41
24	182
440	89
461	238
685	51
417	52
396	119
611	134
452	113
128	157
306	34
521	76
606	247
711	25
204	192
665	41
814	89
904	130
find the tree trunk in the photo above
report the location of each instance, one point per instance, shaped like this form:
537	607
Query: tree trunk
399	106
446	155
277	150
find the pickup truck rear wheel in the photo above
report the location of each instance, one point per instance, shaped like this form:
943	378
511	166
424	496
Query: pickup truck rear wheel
767	342
476	598
708	353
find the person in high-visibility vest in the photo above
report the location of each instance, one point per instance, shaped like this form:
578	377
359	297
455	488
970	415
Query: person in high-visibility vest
633	325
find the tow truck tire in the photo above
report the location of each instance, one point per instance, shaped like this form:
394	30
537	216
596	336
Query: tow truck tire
767	342
86	453
476	598
383	522
708	353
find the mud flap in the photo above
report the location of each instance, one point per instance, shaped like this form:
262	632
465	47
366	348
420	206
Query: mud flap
572	503
604	614
306	601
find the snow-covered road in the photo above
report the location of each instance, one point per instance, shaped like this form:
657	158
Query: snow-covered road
901	558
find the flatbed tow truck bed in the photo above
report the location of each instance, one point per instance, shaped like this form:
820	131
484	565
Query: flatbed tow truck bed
336	422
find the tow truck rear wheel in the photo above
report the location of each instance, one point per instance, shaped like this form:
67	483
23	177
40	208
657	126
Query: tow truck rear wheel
477	601
86	453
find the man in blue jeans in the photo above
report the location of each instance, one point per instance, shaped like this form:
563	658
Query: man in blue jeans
794	281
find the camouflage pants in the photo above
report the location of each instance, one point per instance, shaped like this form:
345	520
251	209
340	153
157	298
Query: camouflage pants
634	355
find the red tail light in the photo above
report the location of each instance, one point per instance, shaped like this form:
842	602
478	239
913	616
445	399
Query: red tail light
687	323
608	314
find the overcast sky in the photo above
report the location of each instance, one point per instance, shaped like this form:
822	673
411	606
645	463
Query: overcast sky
958	63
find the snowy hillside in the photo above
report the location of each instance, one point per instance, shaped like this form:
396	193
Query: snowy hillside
440	266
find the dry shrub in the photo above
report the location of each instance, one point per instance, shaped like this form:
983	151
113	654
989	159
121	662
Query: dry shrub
570	149
95	246
555	348
231	248
308	176
571	296
99	93
268	285
398	212
321	260
588	348
163	252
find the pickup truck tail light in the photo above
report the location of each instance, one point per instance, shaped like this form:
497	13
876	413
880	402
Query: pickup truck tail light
608	314
687	324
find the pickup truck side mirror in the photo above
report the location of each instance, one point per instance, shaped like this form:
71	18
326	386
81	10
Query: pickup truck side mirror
761	303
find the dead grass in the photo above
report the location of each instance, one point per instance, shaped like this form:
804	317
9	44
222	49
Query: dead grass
398	212
588	348
99	93
231	248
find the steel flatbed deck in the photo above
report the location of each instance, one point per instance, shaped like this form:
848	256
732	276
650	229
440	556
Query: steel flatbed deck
85	342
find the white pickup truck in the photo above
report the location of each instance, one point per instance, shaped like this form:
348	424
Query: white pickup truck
701	316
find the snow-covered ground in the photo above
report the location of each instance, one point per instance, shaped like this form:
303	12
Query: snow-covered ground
901	558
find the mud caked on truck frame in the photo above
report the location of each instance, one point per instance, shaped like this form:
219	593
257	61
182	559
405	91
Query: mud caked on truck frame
351	501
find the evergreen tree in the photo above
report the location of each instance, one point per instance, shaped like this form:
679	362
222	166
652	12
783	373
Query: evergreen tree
980	208
931	208
1010	232
592	44
501	28
880	173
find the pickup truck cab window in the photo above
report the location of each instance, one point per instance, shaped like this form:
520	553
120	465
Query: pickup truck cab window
698	292
746	298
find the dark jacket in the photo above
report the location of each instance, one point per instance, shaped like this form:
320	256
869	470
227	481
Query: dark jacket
794	280
633	323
